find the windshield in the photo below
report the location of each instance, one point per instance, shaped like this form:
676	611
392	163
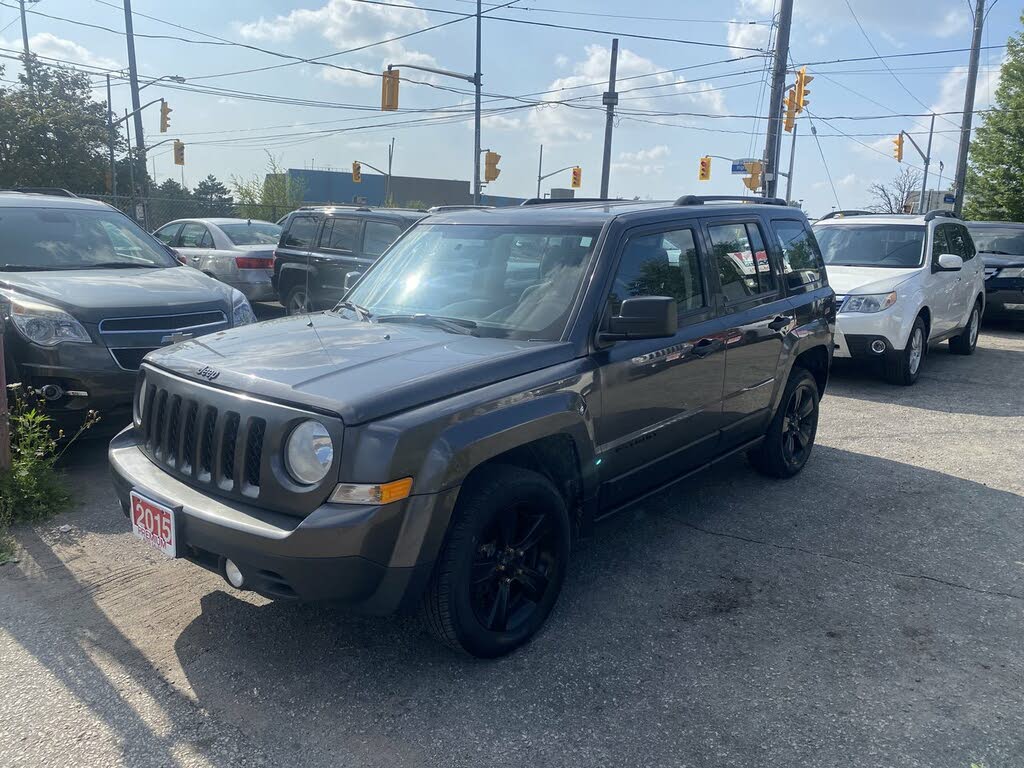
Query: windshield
67	238
871	245
252	233
1008	240
504	281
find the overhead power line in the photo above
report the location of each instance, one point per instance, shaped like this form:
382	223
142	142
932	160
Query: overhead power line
630	17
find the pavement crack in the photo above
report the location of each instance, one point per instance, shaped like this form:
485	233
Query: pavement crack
854	561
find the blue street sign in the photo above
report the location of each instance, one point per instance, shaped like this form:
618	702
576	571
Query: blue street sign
740	166
950	199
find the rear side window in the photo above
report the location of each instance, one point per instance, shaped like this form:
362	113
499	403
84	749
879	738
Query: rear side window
802	264
660	264
378	235
339	234
744	270
301	232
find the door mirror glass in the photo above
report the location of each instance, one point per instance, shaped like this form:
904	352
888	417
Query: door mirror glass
950	261
351	278
644	317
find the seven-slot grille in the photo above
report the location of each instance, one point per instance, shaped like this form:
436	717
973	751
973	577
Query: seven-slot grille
211	446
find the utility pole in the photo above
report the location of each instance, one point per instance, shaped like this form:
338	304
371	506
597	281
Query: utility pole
927	162
773	143
540	170
609	99
131	167
960	174
111	136
24	42
792	155
133	75
476	110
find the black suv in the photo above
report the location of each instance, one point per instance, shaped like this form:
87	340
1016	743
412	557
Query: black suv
1000	245
492	385
321	248
85	294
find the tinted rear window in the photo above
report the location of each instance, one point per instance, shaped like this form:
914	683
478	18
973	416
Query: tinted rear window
252	233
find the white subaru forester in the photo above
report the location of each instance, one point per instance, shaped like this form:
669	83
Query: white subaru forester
902	282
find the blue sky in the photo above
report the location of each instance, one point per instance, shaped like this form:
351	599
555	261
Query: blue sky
708	105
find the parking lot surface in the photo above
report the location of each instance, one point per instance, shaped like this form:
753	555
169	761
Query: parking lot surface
869	612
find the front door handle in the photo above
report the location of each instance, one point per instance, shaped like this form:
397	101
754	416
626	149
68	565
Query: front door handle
780	322
705	347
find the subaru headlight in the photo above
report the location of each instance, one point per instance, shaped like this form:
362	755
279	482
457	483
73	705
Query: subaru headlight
308	452
42	323
241	310
870	302
1011	272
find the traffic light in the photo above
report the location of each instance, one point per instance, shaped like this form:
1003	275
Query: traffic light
389	91
704	170
357	172
802	79
179	152
165	116
790	103
897	148
491	169
753	181
577	177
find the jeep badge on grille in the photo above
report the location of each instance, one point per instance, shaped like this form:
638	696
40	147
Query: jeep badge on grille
208	373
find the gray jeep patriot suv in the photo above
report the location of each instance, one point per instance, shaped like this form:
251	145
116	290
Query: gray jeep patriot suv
498	380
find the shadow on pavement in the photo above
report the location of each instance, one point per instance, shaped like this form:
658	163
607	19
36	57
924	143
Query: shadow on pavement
867	608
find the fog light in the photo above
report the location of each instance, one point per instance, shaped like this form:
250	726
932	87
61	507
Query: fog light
233	575
878	346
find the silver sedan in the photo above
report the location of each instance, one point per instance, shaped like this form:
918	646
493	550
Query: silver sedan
239	252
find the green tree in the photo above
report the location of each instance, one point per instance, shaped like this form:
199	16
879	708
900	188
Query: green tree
53	135
995	178
269	197
216	198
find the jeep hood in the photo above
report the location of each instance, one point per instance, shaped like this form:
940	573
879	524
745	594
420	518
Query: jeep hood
847	280
359	371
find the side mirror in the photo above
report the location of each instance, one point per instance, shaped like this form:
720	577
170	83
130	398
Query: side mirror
644	317
351	278
174	254
950	262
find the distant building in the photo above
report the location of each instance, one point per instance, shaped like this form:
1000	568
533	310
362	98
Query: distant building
936	200
337	187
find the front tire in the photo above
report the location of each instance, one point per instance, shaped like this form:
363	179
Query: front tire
966	342
790	437
503	565
904	366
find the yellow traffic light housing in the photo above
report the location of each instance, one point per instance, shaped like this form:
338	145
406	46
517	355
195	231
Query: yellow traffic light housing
790	103
897	148
165	116
491	169
802	79
179	152
389	91
704	170
753	181
577	177
357	172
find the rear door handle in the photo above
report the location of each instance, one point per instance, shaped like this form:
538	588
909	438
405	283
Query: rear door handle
705	347
780	322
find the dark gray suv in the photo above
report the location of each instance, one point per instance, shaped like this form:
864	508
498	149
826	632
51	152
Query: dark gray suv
495	383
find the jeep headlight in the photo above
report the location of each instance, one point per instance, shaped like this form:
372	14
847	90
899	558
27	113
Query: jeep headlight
870	302
241	310
308	452
42	323
1011	272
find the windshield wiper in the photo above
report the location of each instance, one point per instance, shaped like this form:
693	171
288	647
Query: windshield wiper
118	265
27	268
998	253
364	314
451	324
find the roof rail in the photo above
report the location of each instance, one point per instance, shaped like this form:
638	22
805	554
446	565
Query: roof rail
940	213
548	201
55	191
701	199
843	214
459	207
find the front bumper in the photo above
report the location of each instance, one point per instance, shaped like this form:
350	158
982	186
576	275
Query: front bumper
1002	291
374	558
856	332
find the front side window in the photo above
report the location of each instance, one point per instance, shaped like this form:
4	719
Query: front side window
802	264
167	233
301	232
38	239
963	241
660	264
378	235
252	233
898	246
516	282
744	270
340	234
193	235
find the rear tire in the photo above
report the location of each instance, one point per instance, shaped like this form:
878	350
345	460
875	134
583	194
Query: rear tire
965	343
297	301
790	437
502	567
904	366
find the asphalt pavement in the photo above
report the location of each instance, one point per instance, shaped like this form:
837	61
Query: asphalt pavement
869	612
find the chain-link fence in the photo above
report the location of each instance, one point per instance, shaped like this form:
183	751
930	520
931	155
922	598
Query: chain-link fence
157	211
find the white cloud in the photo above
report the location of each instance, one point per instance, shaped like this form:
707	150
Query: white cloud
561	61
646	162
45	44
954	21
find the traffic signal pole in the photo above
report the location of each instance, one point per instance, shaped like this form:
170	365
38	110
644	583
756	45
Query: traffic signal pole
789	176
773	140
133	77
965	125
610	98
111	138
